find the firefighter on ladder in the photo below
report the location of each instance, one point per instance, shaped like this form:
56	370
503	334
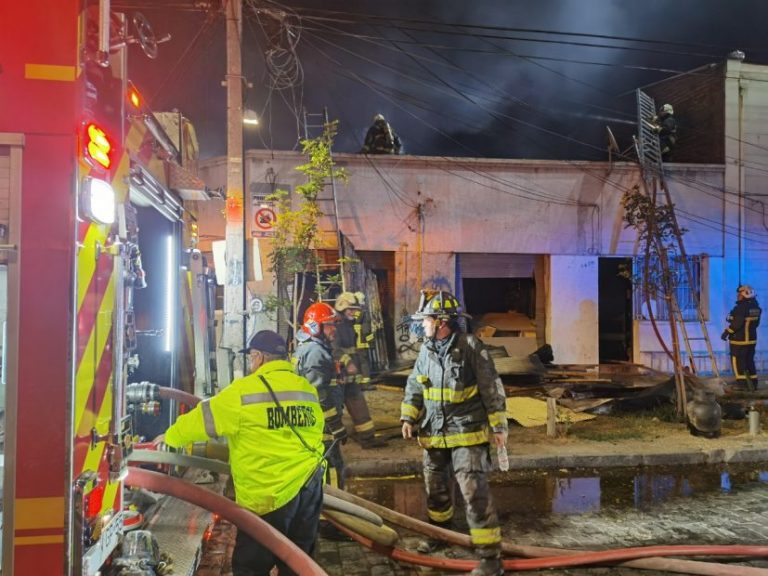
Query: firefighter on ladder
313	359
665	125
351	353
741	334
457	399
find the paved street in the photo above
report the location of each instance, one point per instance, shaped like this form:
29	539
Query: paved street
710	516
738	517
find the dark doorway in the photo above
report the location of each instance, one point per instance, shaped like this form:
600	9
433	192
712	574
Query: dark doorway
484	295
614	309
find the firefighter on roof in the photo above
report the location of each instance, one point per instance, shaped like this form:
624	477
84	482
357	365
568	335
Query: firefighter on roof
456	398
380	138
351	352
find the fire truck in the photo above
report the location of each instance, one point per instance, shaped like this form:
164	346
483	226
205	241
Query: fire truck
101	286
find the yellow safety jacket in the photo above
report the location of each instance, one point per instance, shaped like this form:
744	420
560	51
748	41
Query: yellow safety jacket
269	462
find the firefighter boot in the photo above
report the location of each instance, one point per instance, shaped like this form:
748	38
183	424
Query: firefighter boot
430	545
370	441
489	567
751	383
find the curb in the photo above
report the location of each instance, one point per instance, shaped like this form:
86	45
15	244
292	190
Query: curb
366	468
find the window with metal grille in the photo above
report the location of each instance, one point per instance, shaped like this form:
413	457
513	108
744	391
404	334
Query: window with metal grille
650	292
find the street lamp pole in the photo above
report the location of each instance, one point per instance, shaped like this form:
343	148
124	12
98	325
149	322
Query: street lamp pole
233	329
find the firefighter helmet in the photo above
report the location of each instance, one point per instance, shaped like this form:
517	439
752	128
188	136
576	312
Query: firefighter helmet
316	315
440	304
346	300
667	109
746	290
379	118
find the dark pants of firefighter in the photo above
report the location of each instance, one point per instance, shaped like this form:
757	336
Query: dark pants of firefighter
363	366
335	473
298	520
470	466
357	406
743	361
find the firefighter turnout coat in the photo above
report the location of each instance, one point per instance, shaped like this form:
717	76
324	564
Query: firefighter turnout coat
456	398
743	322
314	360
269	462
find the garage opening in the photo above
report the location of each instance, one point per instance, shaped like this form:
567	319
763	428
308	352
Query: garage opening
501	294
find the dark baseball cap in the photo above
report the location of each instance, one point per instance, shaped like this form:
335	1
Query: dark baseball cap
267	341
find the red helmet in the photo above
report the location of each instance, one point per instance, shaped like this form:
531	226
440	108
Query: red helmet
316	315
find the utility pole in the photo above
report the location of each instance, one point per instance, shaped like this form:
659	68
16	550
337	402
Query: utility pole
233	331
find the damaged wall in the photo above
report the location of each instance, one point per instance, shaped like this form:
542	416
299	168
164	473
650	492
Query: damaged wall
425	210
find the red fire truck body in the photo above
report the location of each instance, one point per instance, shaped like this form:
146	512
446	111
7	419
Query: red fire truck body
77	144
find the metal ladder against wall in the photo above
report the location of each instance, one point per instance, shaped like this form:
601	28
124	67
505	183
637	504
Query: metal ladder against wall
314	126
649	154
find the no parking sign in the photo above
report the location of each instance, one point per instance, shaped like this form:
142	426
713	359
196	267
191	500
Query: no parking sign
264	219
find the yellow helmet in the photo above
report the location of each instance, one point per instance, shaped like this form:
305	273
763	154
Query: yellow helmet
346	300
439	304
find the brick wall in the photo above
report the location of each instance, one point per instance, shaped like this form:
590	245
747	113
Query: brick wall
698	98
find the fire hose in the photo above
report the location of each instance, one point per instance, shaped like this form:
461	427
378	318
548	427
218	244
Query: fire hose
649	557
140	392
540	558
245	520
331	502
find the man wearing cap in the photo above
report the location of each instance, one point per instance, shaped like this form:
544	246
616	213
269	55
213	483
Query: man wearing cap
741	334
274	426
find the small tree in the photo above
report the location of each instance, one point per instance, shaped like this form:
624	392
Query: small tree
295	238
655	229
655	225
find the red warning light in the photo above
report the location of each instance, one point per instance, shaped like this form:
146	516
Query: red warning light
98	145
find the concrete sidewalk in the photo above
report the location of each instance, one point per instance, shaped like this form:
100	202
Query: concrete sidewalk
605	442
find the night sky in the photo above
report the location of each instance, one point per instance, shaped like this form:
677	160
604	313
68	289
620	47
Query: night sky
489	78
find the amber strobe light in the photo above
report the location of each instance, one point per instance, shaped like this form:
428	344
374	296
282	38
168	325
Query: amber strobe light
98	145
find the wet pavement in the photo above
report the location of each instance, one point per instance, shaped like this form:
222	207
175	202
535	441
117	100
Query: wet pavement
574	511
567	492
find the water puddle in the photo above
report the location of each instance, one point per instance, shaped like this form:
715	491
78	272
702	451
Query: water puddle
575	492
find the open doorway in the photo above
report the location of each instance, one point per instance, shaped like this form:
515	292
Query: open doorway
615	309
484	295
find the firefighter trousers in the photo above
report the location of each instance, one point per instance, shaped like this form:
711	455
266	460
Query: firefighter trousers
334	474
357	406
469	465
743	362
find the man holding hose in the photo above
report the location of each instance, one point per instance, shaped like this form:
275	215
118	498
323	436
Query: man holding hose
273	422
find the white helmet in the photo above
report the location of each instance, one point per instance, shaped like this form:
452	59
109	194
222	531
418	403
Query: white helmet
667	109
378	118
746	290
